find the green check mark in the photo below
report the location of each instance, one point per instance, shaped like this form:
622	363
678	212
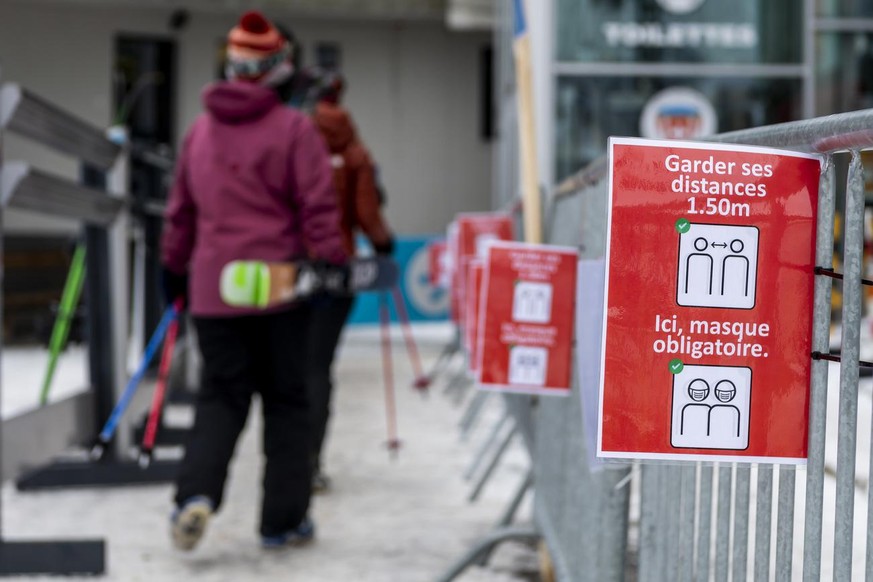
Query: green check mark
676	366
683	225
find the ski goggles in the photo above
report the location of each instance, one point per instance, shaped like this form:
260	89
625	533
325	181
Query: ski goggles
254	68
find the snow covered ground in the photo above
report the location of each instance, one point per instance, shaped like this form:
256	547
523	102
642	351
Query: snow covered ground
403	520
23	369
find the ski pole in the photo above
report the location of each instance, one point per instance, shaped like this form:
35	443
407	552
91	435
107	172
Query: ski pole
112	422
421	380
151	428
61	329
388	375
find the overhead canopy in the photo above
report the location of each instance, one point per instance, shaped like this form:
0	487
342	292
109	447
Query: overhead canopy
347	9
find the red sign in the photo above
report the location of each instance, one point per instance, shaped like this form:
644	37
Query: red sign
526	319
709	287
476	230
437	254
471	326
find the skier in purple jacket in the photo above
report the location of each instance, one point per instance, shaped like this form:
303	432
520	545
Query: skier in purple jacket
253	181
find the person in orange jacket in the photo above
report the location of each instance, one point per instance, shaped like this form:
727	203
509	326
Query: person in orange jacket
359	201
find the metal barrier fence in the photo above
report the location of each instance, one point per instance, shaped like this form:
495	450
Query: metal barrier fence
697	521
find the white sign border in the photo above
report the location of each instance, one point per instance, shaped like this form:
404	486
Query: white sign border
695	145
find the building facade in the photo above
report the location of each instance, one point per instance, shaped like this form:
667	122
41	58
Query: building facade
684	69
414	71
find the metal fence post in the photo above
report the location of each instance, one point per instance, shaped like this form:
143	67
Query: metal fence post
704	525
763	521
486	445
853	248
686	525
648	546
824	257
785	524
612	542
673	491
723	523
741	523
662	499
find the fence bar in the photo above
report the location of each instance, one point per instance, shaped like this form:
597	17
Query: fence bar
673	490
648	544
819	378
846	439
686	525
764	511
839	132
492	464
661	548
741	523
613	517
785	524
474	408
723	523
869	557
704	524
486	445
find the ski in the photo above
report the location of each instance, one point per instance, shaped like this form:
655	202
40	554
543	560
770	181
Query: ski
267	284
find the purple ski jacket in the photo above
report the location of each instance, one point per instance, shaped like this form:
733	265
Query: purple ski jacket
253	181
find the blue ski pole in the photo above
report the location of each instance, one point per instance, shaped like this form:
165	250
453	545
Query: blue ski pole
151	349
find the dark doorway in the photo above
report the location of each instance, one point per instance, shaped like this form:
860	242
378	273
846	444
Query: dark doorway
144	87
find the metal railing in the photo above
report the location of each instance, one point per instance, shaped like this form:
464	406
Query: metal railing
696	521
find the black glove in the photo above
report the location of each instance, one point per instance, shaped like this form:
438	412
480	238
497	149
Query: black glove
386	248
334	278
174	286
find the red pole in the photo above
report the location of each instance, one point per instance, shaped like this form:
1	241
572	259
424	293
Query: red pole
421	380
388	375
151	428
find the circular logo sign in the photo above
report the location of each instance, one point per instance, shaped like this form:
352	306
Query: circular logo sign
678	113
430	301
680	6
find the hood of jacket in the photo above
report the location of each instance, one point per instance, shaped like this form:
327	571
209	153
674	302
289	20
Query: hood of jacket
239	101
335	125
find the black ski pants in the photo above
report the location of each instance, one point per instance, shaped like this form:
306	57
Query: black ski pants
263	353
329	315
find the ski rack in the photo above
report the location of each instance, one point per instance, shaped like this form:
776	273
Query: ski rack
98	201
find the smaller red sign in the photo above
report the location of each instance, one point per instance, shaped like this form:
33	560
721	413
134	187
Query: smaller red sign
475	231
526	318
475	269
454	277
437	254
